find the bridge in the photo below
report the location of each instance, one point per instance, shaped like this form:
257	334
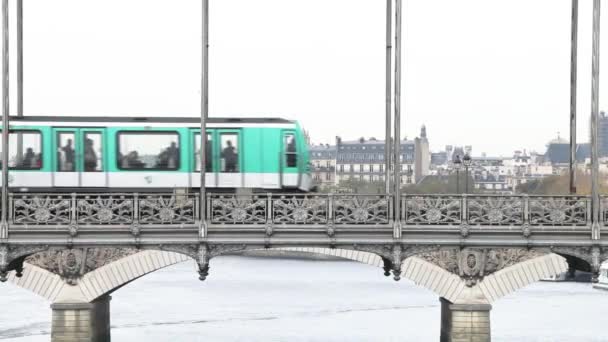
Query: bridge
76	249
471	250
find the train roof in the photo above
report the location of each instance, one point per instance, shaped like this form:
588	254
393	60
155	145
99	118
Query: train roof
133	119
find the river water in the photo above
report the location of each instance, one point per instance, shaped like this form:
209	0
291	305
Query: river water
271	299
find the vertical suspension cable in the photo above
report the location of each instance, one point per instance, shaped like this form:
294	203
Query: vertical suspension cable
204	116
595	84
397	138
387	141
573	82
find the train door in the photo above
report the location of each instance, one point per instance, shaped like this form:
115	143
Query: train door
78	157
65	150
289	160
90	160
229	159
210	165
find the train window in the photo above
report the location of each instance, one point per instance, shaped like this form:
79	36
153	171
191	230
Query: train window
65	152
197	153
148	150
229	156
25	150
289	144
93	153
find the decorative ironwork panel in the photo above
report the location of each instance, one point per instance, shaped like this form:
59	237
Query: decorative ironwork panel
299	209
495	210
361	209
238	209
166	209
104	209
558	210
433	210
39	209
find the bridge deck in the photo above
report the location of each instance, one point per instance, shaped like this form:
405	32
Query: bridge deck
302	218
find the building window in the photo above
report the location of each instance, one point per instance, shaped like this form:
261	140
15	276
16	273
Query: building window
327	176
352	168
342	168
361	168
381	167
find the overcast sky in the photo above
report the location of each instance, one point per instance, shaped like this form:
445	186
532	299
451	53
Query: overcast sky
489	73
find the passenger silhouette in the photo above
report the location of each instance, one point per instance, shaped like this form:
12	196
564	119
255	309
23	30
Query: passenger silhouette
68	153
230	157
28	159
133	161
208	156
162	160
90	157
172	154
291	152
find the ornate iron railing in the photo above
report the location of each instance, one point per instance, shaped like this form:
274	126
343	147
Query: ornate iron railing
90	210
29	210
559	210
300	209
496	211
432	210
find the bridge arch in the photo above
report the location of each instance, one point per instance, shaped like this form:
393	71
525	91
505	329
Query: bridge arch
451	286
112	276
446	284
491	287
97	283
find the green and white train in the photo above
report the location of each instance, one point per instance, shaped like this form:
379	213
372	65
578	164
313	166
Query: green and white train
99	154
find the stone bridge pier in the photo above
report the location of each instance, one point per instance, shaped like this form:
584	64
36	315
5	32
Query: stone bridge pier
79	281
81	321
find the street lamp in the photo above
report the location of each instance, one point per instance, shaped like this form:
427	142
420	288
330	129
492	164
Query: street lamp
457	165
466	160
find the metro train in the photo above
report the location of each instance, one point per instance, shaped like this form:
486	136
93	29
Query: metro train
107	154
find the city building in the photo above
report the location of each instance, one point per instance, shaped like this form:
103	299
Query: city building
363	160
323	164
422	164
